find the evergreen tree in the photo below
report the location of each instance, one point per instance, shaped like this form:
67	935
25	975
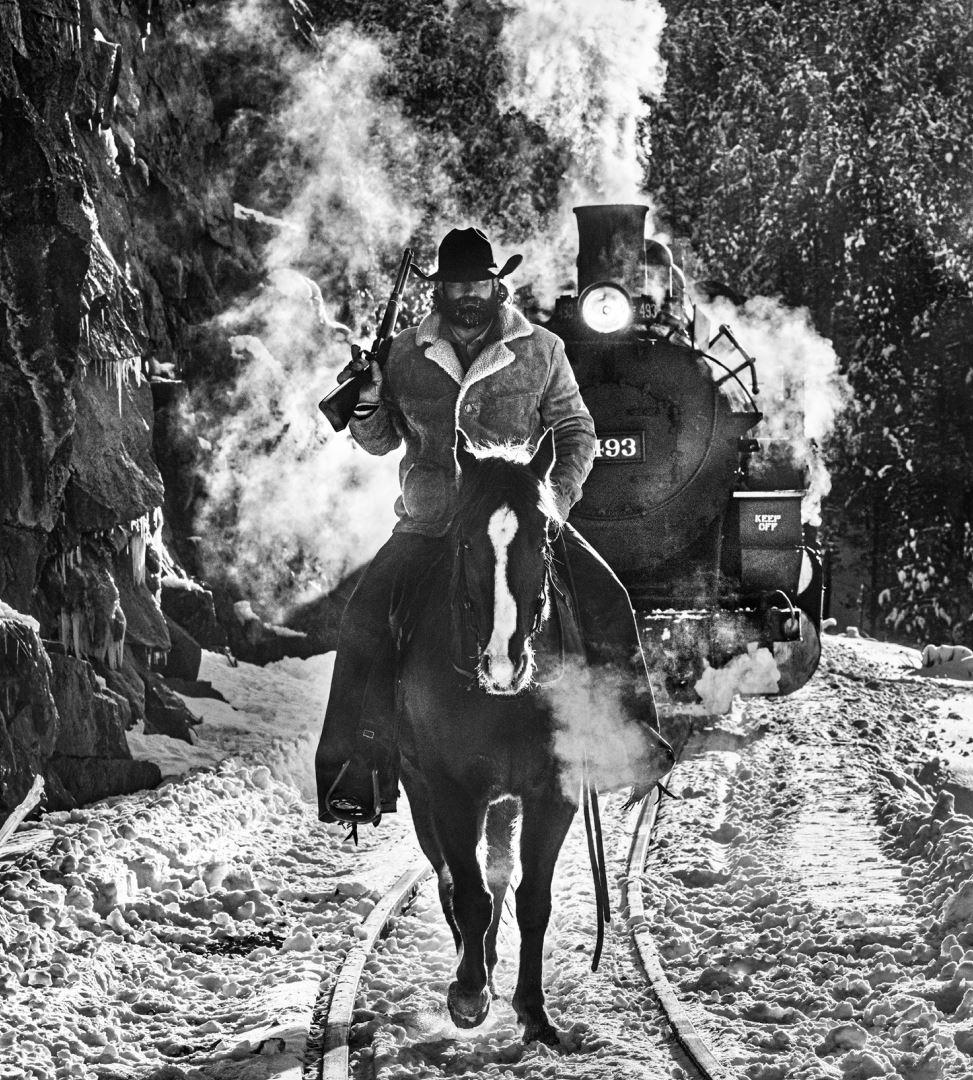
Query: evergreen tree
822	152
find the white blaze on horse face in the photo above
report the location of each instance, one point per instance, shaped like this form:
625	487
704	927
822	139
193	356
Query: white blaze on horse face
501	530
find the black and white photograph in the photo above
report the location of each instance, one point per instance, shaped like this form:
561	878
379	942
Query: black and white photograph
486	540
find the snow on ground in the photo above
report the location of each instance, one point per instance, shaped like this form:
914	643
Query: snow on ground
271	716
609	1027
187	931
183	932
811	890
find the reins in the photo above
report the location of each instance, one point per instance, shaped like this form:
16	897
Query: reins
592	815
596	856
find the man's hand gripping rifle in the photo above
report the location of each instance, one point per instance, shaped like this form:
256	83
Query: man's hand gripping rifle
340	403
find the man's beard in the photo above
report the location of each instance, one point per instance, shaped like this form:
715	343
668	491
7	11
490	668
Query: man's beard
470	311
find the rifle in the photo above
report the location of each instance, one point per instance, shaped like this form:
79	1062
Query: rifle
339	404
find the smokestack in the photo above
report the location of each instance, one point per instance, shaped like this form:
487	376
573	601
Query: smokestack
611	245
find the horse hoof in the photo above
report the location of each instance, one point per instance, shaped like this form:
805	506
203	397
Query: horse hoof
467	1010
541	1032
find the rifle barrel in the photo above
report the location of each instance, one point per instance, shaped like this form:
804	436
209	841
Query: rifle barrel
340	403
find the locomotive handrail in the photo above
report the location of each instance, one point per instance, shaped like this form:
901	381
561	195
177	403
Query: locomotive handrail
731	374
734	373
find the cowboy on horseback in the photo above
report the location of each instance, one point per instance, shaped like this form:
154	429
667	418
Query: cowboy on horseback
476	365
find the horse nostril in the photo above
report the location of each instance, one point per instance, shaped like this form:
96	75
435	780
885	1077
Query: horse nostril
485	663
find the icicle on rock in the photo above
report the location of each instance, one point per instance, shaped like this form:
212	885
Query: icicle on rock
76	628
116	648
140	530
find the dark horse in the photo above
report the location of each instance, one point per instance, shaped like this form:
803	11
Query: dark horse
476	742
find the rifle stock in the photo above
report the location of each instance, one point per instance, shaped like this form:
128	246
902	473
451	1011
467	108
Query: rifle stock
339	404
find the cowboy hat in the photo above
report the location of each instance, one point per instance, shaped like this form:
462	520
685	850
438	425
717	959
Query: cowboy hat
466	255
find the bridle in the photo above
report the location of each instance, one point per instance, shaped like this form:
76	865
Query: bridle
461	606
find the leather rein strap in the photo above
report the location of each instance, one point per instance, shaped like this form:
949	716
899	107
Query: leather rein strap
596	856
589	797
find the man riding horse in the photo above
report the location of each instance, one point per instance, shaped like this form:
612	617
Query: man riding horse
474	364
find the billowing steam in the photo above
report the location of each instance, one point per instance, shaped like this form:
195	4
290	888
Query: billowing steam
354	155
588	706
752	672
581	71
291	505
802	390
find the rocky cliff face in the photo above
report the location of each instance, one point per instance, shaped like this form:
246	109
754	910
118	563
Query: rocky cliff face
117	243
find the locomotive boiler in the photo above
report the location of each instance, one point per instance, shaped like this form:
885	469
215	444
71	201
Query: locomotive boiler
697	513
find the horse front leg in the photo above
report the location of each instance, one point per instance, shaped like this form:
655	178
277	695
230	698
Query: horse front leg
546	820
459	825
499	865
425	828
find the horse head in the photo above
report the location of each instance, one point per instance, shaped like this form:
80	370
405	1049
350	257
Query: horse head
501	534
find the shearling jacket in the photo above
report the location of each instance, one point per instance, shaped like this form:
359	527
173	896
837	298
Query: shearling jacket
516	388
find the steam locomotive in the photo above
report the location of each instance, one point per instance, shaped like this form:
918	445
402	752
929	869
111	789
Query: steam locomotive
697	513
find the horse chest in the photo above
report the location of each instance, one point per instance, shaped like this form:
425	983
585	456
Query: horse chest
507	753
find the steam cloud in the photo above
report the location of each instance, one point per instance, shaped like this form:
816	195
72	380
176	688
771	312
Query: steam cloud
296	506
580	70
801	389
752	672
588	706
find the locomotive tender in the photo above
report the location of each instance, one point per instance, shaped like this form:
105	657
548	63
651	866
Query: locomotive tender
698	515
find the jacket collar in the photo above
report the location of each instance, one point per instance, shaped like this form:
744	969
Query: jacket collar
492	358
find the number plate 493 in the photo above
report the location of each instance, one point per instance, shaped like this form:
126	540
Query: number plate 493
618	446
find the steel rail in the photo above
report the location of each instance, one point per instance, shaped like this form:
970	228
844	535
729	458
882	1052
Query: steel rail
333	1060
344	991
699	1054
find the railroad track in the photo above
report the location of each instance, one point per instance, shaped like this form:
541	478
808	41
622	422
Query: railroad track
699	1054
329	1051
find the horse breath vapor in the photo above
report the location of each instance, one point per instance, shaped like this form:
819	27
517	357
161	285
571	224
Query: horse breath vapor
588	709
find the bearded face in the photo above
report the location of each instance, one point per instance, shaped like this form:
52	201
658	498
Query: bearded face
469	304
470	311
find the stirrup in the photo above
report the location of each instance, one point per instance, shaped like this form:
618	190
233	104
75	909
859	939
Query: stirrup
348	810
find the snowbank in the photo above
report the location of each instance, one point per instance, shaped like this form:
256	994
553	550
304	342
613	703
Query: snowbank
270	716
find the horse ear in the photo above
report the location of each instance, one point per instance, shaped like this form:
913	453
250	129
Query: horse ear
465	458
544	456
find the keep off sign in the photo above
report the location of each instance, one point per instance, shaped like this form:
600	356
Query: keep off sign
766	522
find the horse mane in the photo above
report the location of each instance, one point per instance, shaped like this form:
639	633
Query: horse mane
503	467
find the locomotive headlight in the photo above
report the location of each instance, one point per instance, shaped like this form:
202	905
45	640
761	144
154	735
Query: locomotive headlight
605	307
